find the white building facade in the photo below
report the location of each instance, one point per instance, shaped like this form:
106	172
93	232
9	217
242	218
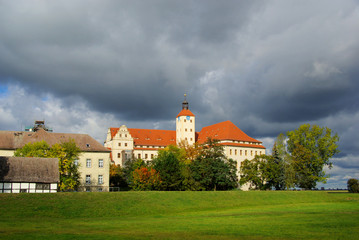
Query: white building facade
125	143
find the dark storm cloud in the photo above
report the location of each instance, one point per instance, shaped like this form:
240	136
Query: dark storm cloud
118	56
267	66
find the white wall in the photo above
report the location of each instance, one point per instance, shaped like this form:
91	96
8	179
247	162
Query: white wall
94	170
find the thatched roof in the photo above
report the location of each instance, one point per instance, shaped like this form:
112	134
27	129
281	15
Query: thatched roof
12	140
36	170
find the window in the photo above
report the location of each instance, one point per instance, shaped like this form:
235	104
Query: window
235	152
88	163
88	179
76	162
190	120
139	156
245	152
240	152
125	135
230	151
100	163
256	153
151	156
125	144
42	186
185	120
118	155
100	179
185	129
190	130
146	156
251	153
191	139
88	189
119	144
100	189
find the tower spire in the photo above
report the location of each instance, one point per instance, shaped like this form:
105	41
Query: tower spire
185	103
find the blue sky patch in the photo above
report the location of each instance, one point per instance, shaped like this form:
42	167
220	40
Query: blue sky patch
3	89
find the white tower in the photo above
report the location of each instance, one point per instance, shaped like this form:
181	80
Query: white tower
185	125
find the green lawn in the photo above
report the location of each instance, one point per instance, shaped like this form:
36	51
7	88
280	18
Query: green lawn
180	215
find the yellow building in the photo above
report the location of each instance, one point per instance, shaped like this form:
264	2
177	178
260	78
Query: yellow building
144	143
94	160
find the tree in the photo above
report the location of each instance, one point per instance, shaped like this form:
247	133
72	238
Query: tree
117	178
168	165
66	153
275	170
311	148
281	152
36	149
191	151
254	172
129	167
353	185
212	169
146	178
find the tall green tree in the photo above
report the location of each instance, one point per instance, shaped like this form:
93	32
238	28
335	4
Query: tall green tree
263	172
311	148
281	152
168	165
275	170
253	172
212	169
66	152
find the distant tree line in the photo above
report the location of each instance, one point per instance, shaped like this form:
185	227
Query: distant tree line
297	160
197	168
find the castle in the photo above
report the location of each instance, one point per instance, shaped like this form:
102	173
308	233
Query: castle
125	143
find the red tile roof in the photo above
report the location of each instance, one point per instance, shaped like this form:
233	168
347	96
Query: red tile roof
224	131
149	137
185	112
221	131
146	137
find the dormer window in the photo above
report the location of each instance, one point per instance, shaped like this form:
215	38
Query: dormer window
88	145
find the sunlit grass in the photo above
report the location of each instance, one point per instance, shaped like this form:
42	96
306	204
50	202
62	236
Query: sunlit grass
180	215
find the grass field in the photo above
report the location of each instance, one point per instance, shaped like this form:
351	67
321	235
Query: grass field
180	215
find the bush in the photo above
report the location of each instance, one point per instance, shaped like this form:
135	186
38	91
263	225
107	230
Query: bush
353	185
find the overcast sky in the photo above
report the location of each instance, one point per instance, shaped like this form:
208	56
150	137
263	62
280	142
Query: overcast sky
268	66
